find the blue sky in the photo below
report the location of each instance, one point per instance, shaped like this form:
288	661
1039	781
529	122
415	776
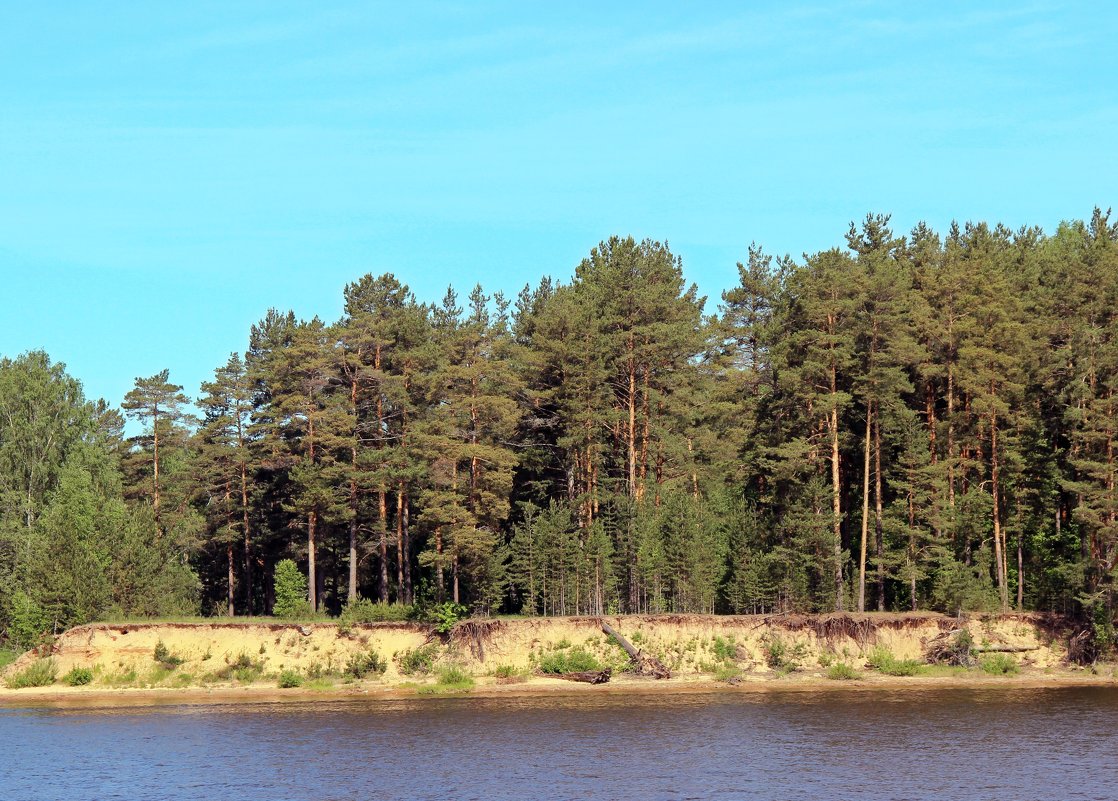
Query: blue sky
169	171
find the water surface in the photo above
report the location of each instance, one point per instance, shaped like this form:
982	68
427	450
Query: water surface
1058	744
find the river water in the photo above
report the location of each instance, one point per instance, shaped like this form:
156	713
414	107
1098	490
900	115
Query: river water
1006	744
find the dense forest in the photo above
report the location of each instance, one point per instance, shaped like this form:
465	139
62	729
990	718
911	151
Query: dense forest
901	422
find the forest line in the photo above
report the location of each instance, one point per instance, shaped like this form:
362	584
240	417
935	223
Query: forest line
923	421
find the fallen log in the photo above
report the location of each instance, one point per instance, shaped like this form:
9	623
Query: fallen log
587	676
1005	649
641	664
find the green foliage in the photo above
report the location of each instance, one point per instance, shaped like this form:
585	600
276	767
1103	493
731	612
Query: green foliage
39	673
726	673
454	675
568	660
290	678
883	661
164	657
613	444
780	656
451	679
507	674
840	671
445	615
417	661
723	649
27	621
291	591
361	665
78	676
999	665
242	668
365	611
7	656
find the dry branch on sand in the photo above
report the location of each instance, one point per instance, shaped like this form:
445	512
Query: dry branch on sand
640	663
587	676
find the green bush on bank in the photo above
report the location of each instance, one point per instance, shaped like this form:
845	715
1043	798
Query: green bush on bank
78	676
568	660
162	654
361	665
290	678
883	661
40	673
840	671
999	665
365	611
451	679
417	661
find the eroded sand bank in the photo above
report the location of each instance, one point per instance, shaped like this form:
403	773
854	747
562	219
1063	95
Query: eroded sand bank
695	647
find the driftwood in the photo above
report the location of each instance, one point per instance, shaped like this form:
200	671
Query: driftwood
588	676
640	663
951	648
1005	649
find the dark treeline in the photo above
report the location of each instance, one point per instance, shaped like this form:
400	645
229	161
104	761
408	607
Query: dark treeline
902	422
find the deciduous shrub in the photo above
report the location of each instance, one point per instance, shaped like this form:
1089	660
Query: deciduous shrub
444	616
291	591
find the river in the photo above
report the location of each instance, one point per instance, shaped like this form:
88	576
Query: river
1018	744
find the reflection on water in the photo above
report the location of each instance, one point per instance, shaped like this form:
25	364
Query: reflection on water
956	744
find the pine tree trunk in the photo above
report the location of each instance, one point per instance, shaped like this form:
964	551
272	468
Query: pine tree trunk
312	523
951	442
912	539
354	505
230	584
247	537
632	403
439	583
155	466
382	543
836	496
879	536
401	554
999	547
865	511
312	575
409	591
1020	574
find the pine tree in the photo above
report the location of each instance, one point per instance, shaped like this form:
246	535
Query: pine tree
158	404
